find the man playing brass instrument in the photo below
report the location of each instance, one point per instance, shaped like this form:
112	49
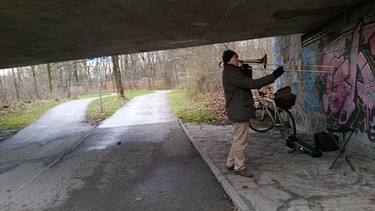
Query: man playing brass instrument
240	106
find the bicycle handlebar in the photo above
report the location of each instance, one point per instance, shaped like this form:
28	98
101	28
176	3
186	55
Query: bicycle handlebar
264	97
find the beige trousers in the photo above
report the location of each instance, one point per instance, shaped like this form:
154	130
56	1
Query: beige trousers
236	155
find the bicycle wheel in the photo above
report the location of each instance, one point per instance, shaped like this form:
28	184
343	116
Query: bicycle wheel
288	125
263	121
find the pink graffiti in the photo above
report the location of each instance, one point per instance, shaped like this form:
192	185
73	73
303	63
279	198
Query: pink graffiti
343	86
366	89
337	89
339	98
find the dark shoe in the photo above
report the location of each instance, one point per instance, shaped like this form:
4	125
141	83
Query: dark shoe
244	173
230	168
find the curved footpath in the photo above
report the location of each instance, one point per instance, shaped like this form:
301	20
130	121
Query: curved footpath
287	181
34	149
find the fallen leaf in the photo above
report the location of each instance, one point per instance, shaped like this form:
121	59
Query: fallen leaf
138	199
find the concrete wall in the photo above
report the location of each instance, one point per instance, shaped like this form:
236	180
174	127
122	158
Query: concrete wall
339	96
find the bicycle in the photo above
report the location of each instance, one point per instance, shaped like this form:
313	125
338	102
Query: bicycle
268	116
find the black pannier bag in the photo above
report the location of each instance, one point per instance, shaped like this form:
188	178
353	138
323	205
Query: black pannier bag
284	98
324	141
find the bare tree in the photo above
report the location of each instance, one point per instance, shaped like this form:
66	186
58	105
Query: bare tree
16	88
124	66
2	92
75	73
117	76
49	77
194	68
35	81
135	74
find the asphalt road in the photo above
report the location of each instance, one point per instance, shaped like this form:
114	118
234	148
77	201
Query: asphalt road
138	159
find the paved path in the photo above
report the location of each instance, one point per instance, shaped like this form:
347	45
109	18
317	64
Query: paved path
31	151
138	159
286	181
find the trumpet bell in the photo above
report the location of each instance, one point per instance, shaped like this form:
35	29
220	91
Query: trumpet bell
252	61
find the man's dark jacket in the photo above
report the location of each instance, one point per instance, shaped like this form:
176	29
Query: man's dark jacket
237	88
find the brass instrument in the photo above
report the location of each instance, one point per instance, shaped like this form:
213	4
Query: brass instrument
256	61
295	67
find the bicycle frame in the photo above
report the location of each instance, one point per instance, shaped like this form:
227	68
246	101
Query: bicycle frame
276	114
280	118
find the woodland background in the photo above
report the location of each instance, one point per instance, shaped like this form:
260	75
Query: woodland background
194	69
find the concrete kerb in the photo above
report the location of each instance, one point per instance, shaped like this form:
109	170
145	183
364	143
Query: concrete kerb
236	198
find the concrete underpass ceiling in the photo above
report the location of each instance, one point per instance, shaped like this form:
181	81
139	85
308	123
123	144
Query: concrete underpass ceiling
37	32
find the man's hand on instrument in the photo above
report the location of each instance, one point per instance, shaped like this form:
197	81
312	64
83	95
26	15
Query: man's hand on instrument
278	72
245	66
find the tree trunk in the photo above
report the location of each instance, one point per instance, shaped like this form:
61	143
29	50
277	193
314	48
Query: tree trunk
117	73
2	93
75	73
49	77
35	82
16	85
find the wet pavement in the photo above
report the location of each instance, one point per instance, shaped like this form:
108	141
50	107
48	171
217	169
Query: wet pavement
137	159
27	154
287	181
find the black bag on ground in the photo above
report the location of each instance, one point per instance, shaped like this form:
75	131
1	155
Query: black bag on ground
324	141
303	147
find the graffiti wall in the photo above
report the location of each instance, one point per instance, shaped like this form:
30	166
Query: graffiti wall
337	88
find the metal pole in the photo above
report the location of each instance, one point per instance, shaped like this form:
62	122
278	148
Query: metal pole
99	85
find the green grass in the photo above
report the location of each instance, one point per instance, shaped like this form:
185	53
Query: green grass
24	114
190	110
